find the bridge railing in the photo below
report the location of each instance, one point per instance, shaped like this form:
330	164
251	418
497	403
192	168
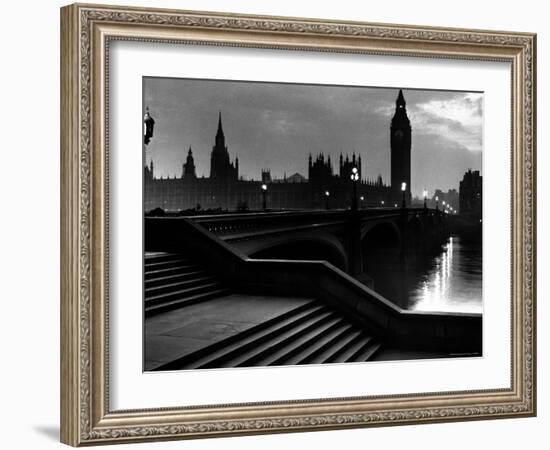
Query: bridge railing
316	279
232	223
223	224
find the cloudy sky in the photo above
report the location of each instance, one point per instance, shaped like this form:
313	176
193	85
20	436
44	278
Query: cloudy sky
276	126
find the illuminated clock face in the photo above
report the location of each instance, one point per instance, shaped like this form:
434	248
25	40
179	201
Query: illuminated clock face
398	134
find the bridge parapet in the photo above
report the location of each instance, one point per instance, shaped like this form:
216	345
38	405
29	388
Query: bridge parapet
231	223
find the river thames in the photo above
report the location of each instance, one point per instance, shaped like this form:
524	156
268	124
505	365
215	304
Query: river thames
449	281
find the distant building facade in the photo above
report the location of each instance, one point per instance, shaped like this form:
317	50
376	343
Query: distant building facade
224	190
470	194
450	197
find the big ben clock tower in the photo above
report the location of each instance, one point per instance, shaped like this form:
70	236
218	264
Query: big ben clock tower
400	142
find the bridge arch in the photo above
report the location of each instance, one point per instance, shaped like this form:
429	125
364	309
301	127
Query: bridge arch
387	229
381	248
316	248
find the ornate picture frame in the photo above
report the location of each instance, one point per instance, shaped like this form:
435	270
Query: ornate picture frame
87	31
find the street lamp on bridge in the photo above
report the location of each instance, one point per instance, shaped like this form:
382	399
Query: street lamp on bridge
148	126
354	178
362	198
327	196
404	189
264	196
436	203
425	194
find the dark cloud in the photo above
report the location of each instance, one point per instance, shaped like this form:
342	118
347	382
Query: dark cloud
274	125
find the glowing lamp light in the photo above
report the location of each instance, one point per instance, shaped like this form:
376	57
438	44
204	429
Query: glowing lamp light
436	198
264	187
403	186
354	174
362	198
327	193
425	193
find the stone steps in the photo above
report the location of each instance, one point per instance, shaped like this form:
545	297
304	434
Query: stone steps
169	279
174	281
310	334
307	332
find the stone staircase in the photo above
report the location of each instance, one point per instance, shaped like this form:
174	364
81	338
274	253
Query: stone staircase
308	334
193	321
173	281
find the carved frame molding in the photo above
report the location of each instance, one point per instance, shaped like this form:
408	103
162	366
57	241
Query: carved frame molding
86	31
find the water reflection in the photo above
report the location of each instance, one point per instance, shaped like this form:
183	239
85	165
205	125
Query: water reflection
451	281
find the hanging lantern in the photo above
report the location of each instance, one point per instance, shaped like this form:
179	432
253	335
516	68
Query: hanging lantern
148	125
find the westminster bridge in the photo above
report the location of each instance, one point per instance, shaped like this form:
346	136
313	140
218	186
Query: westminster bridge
323	255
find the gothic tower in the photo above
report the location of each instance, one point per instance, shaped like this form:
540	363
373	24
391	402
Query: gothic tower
149	171
400	142
221	167
189	166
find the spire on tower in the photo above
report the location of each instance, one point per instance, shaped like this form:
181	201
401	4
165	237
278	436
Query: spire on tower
400	102
400	114
219	133
189	166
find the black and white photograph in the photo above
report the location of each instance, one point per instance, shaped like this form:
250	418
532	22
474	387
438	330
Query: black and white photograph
293	224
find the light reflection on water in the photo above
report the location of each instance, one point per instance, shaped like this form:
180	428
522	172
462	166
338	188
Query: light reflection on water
452	283
449	281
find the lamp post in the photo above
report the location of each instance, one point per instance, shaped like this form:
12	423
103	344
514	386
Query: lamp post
264	196
425	194
362	198
436	203
356	260
382	203
148	126
354	179
404	189
327	196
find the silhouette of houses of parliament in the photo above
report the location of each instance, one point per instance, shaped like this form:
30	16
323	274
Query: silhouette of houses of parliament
225	190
